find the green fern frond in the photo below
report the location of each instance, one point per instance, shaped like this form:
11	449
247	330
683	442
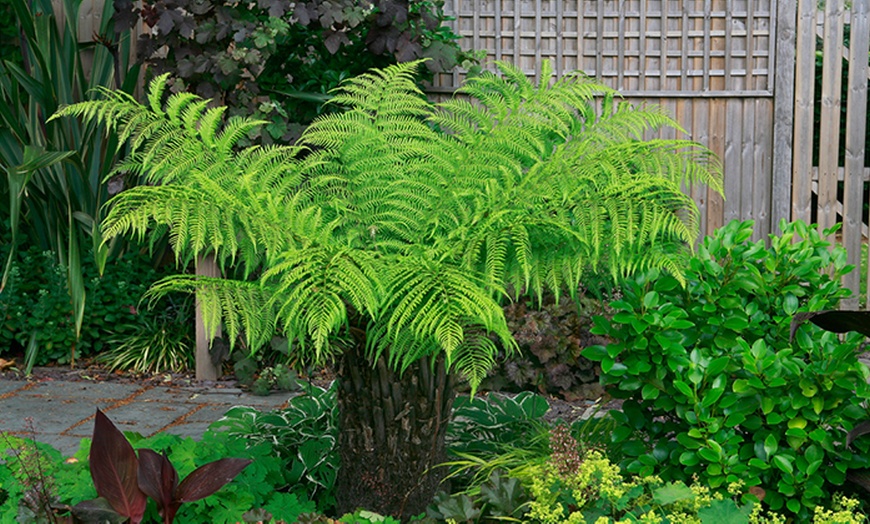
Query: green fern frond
436	300
244	307
311	287
156	88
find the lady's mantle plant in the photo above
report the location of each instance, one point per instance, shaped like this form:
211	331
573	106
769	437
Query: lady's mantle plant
713	386
384	242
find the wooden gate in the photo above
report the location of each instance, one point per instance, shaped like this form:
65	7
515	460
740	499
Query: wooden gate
828	173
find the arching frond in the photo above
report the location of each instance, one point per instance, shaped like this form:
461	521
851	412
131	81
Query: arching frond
405	220
244	307
313	288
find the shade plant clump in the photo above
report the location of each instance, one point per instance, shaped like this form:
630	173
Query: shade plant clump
53	175
385	241
715	387
36	319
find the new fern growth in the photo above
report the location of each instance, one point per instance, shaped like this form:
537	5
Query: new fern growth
400	224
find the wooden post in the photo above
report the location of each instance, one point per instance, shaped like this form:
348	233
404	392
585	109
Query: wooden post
205	369
783	113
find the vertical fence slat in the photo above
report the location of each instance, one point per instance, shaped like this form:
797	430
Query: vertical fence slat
708	24
684	48
599	42
641	45
784	124
560	65
538	28
715	204
856	129
517	34
733	127
762	180
663	47
829	126
747	162
700	133
750	44
620	46
802	171
729	43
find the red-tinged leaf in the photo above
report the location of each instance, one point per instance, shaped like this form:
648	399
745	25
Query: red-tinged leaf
158	479
114	469
207	479
97	510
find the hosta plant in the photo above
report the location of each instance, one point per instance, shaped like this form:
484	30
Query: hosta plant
713	386
384	242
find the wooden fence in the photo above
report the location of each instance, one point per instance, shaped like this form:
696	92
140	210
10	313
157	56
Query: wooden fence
738	75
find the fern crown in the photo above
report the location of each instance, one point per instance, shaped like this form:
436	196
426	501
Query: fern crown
400	225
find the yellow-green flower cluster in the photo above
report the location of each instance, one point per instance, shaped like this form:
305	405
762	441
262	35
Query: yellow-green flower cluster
598	481
844	512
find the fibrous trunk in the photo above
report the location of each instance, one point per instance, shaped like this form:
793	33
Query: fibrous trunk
392	430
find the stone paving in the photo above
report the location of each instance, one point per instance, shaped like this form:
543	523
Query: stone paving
63	412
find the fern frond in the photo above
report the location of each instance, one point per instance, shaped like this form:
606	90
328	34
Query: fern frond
435	300
244	306
311	287
156	88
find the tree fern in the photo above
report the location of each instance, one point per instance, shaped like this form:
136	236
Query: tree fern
403	224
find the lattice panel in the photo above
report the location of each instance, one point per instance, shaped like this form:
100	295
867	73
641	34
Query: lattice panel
637	46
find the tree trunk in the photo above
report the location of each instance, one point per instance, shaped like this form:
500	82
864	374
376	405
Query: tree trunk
392	430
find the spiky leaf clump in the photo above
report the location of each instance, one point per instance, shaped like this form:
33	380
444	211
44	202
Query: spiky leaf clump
403	223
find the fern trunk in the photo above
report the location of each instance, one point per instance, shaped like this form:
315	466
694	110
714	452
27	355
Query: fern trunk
392	436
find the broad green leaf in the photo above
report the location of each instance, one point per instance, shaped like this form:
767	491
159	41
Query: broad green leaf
672	492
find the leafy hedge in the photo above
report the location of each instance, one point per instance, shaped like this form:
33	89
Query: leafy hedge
714	388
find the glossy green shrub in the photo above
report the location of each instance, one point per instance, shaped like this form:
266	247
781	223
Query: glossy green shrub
712	386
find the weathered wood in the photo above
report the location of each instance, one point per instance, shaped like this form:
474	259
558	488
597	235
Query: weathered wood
747	165
783	113
748	65
205	368
700	133
717	126
762	168
732	157
856	133
829	125
801	199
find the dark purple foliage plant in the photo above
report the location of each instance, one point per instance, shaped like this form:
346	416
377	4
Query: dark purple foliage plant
124	481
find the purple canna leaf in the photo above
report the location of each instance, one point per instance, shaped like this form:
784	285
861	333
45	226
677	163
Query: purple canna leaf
207	479
114	469
158	479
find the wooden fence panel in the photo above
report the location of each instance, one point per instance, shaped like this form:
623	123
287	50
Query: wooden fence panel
636	46
708	62
784	117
